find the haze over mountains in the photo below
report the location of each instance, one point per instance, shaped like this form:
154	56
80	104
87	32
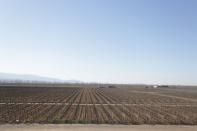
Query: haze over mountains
11	77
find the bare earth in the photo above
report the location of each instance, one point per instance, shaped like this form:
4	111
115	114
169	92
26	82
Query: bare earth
93	104
78	127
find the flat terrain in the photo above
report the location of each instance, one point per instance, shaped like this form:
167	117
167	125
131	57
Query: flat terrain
91	104
96	128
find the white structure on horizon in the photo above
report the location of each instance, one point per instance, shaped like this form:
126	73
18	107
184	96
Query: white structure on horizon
155	86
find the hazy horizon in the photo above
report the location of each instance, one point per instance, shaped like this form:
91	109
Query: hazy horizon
110	41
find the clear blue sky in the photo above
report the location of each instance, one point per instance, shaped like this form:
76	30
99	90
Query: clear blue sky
121	41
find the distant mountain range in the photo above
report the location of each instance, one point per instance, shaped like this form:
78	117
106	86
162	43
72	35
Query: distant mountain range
11	77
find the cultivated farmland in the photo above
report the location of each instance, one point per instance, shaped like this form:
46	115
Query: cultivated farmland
92	104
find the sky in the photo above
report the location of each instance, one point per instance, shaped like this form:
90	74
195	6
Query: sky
113	41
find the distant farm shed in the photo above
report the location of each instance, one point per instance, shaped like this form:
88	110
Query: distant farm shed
160	86
111	86
155	86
